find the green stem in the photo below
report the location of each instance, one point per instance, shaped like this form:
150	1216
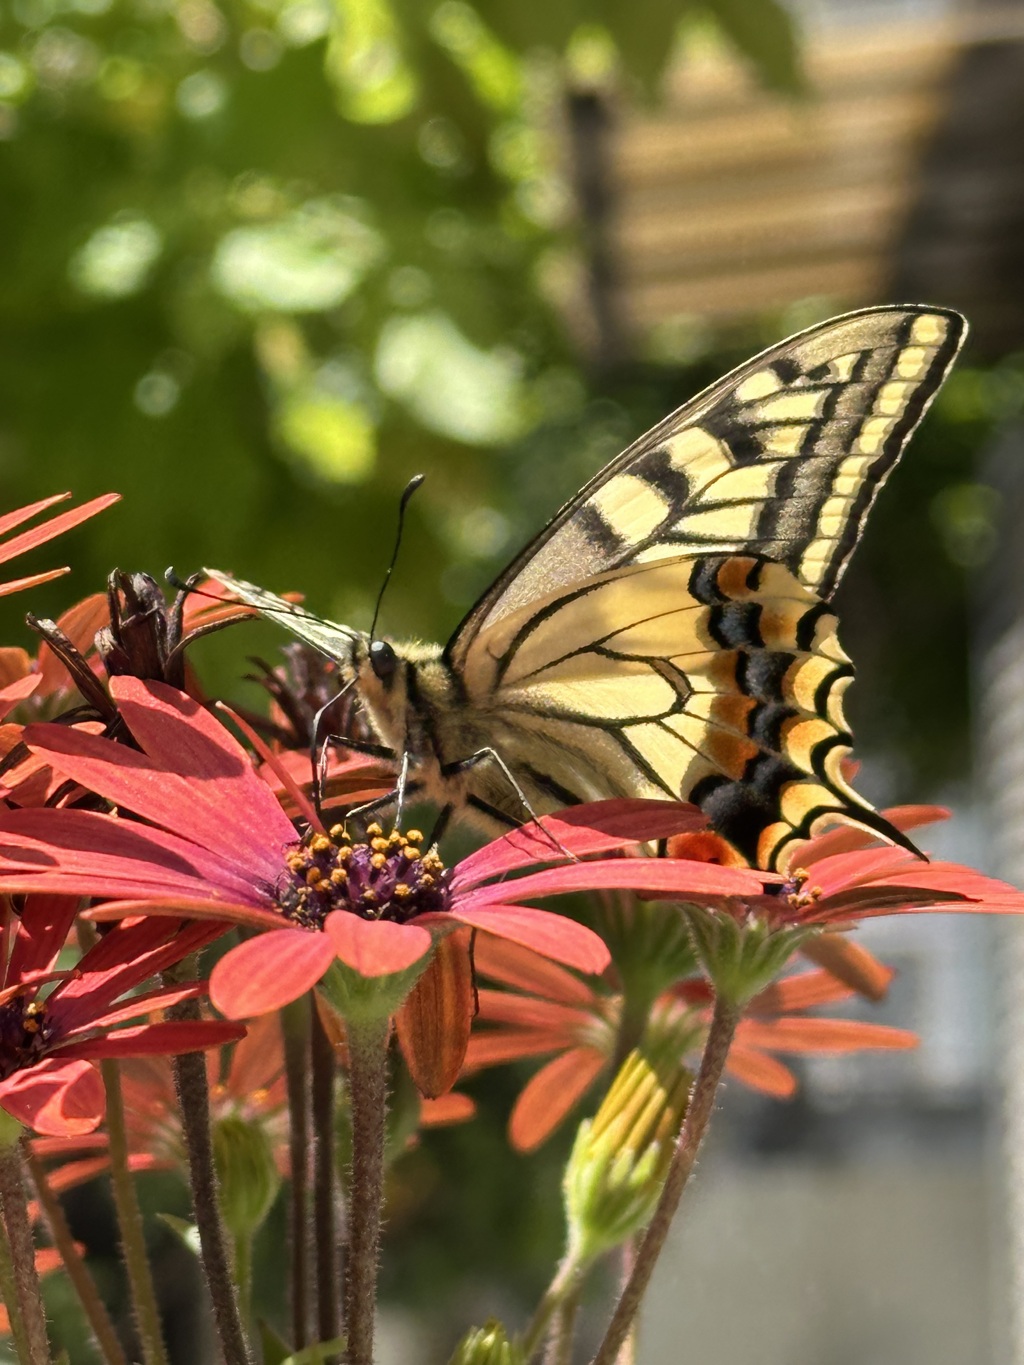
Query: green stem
84	1285
296	1024
560	1339
22	1294
368	1096
129	1219
698	1116
325	1187
563	1289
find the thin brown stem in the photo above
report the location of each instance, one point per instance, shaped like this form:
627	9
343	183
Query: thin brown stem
83	1283
325	1187
295	1019
129	1221
698	1116
26	1301
368	1097
193	1090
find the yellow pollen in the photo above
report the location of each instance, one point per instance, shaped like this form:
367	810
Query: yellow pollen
427	880
397	840
374	831
314	876
378	861
259	1095
432	862
35	1008
401	891
320	843
295	861
370	897
411	853
379	845
415	836
338	876
30	1025
337	833
344	853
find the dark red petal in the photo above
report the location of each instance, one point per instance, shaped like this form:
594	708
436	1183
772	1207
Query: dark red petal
549	1096
115	857
597	827
161	1039
555	936
42	932
376	947
434	1021
80	624
55	1097
269	971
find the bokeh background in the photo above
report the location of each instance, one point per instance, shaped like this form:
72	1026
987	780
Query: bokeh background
261	261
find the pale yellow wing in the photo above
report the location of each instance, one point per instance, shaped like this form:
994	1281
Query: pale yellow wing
713	679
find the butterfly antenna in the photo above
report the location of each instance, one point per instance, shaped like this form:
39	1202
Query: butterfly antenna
410	489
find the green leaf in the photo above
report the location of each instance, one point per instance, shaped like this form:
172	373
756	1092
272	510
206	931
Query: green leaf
764	32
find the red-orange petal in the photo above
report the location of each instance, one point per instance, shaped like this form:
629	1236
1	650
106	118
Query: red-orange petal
269	971
375	947
549	1096
555	936
55	1097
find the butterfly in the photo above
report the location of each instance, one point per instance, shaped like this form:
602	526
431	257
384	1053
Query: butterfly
668	633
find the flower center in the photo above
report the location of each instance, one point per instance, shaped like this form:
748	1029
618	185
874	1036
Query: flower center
797	892
387	877
23	1034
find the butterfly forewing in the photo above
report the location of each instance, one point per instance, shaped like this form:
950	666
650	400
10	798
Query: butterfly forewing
329	637
782	458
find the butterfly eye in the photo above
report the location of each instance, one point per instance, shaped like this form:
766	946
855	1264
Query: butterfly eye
383	660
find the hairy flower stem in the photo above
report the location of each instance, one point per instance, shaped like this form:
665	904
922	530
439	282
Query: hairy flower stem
563	1289
698	1116
368	1096
129	1221
84	1285
559	1345
295	1020
20	1282
325	1188
193	1091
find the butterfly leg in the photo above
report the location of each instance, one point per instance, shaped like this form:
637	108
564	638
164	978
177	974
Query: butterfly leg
382	802
463	765
318	750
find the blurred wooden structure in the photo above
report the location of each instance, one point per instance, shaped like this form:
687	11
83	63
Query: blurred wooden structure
900	174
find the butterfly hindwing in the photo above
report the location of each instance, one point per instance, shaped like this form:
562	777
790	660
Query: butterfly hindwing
781	458
712	679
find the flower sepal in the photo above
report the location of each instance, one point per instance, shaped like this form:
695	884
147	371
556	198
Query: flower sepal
360	999
487	1345
11	1130
741	955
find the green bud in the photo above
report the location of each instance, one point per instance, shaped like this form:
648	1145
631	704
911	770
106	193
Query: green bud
488	1345
620	1157
249	1178
649	943
741	956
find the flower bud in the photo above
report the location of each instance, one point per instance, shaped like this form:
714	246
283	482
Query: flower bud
488	1345
621	1157
249	1178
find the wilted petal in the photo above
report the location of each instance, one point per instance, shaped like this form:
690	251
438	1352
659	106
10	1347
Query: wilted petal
269	971
434	1022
